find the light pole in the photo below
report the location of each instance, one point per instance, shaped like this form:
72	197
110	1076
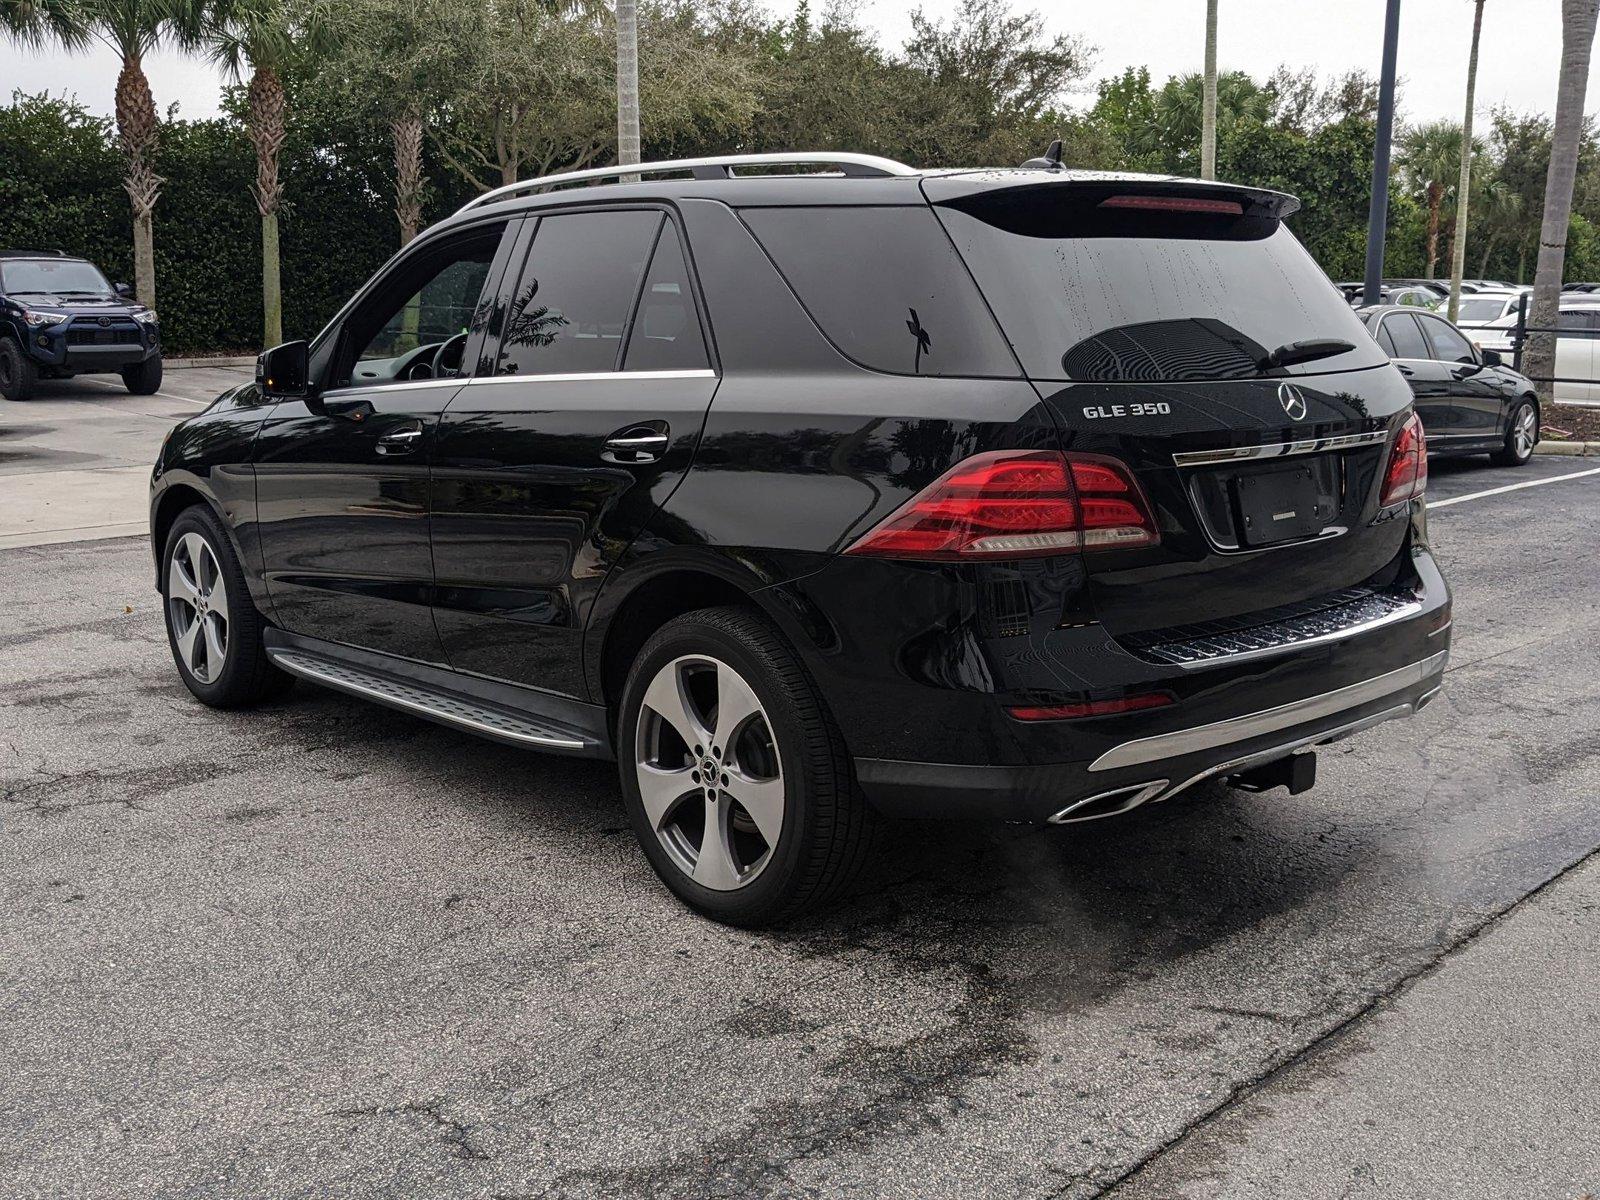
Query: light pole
1378	214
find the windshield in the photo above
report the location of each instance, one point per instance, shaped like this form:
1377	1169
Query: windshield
1480	310
1150	296
52	276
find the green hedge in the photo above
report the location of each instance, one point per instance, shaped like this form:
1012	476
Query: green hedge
61	188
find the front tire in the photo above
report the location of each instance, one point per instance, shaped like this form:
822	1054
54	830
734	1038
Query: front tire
18	375
143	378
212	625
1522	433
735	777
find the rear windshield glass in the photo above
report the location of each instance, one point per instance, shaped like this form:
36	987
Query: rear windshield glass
1480	310
1128	295
886	287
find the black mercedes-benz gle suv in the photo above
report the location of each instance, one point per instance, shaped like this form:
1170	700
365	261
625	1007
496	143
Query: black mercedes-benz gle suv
815	489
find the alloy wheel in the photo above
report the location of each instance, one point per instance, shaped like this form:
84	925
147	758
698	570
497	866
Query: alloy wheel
197	607
1523	431
709	774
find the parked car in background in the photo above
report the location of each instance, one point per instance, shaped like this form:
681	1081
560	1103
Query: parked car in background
1411	294
59	317
1487	306
1470	402
1578	326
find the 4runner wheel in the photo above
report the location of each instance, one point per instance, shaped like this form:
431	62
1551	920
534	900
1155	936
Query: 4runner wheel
18	375
735	777
143	378
1521	435
212	626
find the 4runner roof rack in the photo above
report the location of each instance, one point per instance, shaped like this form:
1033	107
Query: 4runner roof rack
719	167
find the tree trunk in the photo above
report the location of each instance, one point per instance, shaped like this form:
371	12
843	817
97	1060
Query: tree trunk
407	133
1458	239
1435	201
266	127
628	84
1488	249
137	132
1208	101
1577	40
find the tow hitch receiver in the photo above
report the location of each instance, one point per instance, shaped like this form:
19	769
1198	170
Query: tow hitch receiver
1297	772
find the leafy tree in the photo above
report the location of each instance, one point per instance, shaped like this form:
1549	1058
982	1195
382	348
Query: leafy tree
1430	158
131	28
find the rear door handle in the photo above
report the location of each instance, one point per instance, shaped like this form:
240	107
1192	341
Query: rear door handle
636	444
401	441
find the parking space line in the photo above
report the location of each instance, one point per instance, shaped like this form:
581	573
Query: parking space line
163	395
1510	487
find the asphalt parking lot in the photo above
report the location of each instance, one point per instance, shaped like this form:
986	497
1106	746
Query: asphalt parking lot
322	949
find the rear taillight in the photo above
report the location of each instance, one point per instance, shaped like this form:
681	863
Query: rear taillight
1407	473
1186	204
1090	708
1017	504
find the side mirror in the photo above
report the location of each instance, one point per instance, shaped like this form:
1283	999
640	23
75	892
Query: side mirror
284	372
1491	358
125	290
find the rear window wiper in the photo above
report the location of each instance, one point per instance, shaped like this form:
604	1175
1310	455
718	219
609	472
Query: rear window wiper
1290	353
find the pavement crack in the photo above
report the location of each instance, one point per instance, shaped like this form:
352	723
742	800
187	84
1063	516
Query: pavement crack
1246	1088
456	1135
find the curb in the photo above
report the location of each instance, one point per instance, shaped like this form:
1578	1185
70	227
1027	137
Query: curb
242	360
1573	449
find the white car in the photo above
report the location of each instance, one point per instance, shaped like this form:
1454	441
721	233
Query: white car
1576	360
1486	307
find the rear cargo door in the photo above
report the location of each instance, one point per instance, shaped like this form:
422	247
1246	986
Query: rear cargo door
1182	329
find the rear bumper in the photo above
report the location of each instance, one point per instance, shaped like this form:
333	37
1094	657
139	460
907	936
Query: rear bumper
1154	767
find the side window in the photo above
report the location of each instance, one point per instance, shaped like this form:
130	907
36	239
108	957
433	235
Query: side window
1385	340
424	305
569	310
666	332
1570	318
886	286
1405	336
1448	345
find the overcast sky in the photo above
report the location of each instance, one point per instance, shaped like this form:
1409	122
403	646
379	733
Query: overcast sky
1520	57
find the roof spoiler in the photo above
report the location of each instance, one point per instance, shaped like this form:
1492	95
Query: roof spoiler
967	188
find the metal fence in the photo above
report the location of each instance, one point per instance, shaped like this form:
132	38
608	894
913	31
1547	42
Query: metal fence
1519	337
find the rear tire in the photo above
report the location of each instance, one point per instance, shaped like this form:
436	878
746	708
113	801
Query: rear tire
723	734
18	375
213	627
1522	433
143	378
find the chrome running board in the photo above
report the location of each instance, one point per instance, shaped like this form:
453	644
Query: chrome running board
458	711
1181	742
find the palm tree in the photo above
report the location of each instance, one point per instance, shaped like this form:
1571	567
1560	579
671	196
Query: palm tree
1208	117
1458	235
1577	41
1431	156
627	82
259	37
1499	210
131	28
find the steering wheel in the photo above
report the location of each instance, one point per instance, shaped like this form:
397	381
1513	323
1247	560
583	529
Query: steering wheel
459	341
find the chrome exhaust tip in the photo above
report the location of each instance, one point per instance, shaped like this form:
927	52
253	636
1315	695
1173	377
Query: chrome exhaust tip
1109	804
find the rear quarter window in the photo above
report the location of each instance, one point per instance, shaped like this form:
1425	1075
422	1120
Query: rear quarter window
885	287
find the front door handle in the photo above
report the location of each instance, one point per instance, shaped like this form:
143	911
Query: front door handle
401	441
636	444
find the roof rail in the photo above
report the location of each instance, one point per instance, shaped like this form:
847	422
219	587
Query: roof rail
719	167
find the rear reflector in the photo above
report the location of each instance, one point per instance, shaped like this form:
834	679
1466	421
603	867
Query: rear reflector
1407	473
1090	708
1188	204
1017	504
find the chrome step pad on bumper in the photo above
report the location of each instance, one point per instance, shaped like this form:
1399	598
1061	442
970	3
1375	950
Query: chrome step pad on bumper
462	712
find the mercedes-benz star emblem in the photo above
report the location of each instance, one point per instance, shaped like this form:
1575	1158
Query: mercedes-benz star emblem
1293	402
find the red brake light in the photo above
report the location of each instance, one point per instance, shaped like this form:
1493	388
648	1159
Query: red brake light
1189	204
1089	708
1017	504
1407	473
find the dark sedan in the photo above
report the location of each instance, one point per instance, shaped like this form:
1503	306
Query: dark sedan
1470	402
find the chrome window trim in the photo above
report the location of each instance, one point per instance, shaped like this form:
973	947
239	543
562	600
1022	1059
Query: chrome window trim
357	389
579	376
1347	441
1181	742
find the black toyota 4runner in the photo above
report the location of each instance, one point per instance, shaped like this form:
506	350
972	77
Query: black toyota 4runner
1029	495
59	318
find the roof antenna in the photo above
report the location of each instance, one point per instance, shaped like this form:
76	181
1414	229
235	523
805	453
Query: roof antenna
1051	160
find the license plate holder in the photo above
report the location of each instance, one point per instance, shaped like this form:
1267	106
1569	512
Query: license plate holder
1279	504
